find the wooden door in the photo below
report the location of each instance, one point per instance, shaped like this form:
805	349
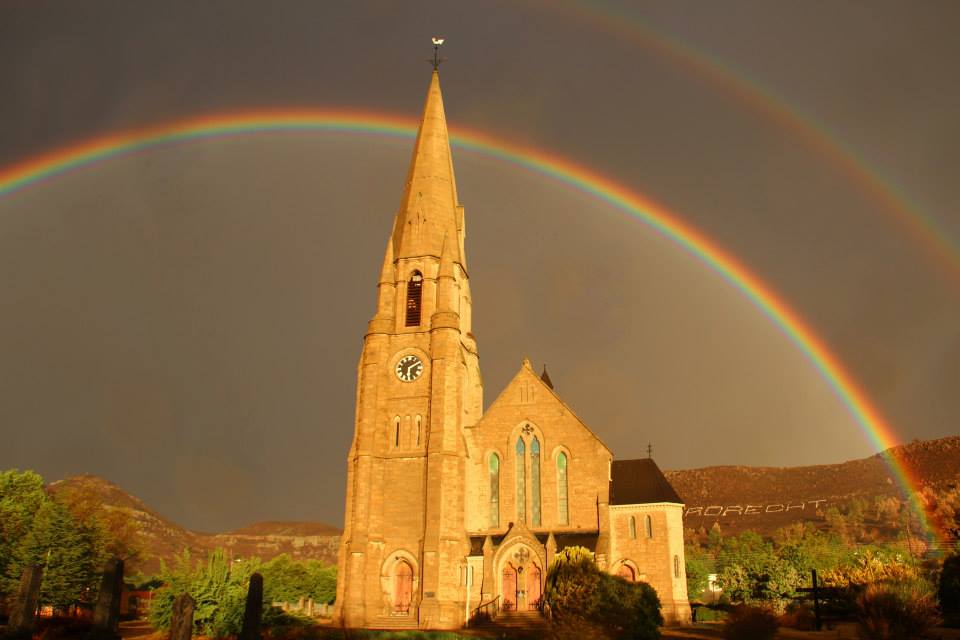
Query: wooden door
534	586
508	586
402	588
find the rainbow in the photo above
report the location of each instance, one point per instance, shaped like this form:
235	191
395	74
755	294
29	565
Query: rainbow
35	171
922	227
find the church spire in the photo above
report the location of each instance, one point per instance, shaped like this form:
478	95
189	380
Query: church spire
429	206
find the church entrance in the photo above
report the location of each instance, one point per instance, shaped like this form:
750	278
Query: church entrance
521	582
402	588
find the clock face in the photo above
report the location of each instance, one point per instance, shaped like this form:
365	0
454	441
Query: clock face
409	368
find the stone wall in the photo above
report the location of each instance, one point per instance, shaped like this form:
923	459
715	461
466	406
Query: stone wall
654	556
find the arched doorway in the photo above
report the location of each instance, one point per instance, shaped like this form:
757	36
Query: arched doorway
626	572
402	588
521	582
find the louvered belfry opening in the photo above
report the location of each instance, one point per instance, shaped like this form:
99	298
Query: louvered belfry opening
414	296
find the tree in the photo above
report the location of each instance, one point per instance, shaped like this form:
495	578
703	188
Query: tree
67	551
752	573
288	580
698	564
37	528
21	495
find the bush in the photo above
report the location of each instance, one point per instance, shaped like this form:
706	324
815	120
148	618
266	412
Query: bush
219	588
896	611
799	616
948	592
750	623
587	602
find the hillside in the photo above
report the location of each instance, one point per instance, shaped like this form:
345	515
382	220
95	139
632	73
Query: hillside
735	497
163	539
766	498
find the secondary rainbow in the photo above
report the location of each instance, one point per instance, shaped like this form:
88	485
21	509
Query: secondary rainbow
924	228
36	170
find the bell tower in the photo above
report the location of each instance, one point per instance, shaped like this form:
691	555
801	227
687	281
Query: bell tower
418	386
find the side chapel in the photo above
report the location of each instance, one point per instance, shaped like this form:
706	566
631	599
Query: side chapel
449	508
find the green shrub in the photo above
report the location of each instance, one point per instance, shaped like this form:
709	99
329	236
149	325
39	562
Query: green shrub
585	601
896	611
219	588
750	623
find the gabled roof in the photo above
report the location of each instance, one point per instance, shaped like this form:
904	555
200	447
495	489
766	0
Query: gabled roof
640	482
527	372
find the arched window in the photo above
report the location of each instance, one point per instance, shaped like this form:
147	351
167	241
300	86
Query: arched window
633	528
396	431
648	523
494	490
521	481
563	512
419	429
676	566
414	296
535	479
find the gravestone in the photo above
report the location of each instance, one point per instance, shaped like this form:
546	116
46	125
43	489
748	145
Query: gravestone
181	618
106	613
24	610
253	610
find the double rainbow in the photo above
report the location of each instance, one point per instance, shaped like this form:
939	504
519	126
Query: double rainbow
926	230
36	170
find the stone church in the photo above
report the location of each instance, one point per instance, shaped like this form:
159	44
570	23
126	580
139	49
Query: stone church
450	510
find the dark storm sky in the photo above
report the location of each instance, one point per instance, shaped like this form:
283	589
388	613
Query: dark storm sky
186	322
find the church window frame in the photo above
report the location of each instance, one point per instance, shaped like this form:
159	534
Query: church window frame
521	465
632	526
676	566
535	481
563	483
648	526
396	432
419	422
414	304
493	467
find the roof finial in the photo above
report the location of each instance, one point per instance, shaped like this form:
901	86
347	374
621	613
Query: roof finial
649	450
436	53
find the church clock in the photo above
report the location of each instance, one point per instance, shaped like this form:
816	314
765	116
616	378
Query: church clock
409	368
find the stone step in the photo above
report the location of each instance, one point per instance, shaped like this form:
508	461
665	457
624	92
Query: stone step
527	620
394	622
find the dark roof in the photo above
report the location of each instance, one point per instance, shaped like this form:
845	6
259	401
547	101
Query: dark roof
639	482
546	377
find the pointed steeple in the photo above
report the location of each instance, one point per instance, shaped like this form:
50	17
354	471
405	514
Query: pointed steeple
428	208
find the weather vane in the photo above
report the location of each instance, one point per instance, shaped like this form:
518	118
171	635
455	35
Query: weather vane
436	53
